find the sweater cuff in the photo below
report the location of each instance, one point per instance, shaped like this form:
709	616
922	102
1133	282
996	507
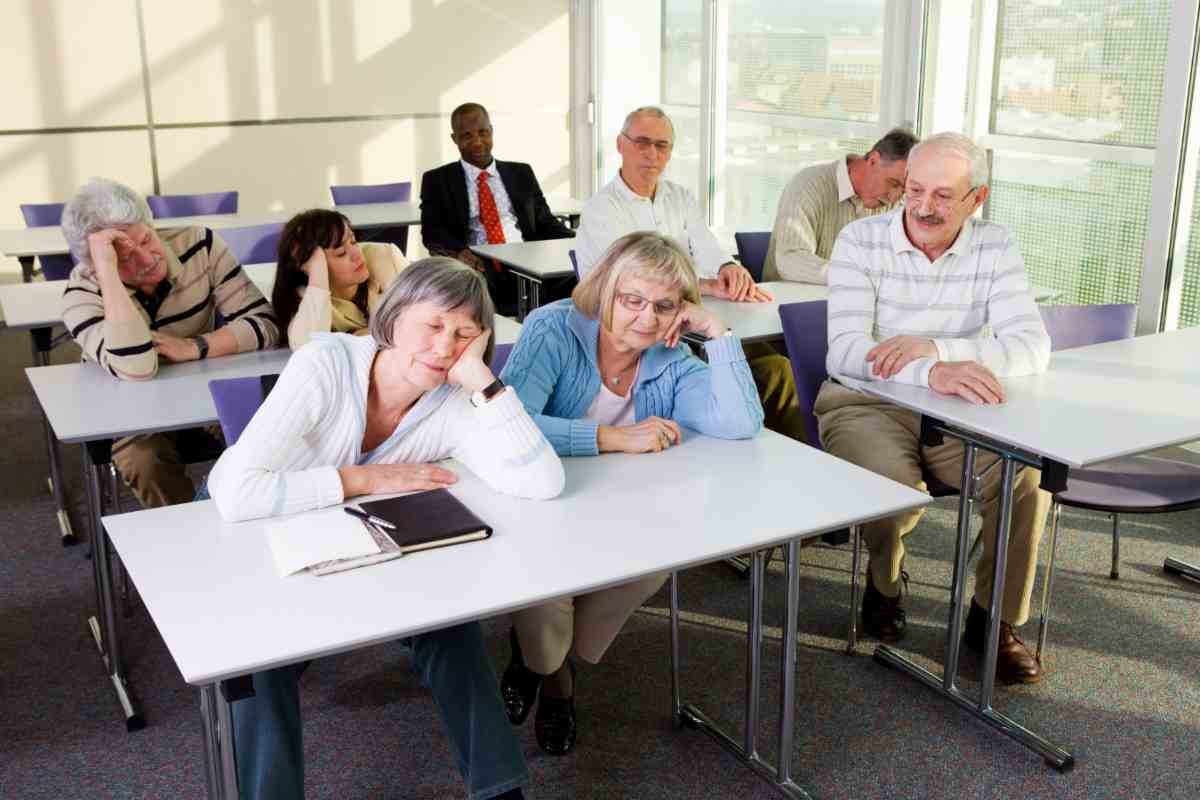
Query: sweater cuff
583	433
724	350
328	486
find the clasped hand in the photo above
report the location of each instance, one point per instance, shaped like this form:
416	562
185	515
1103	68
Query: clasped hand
651	435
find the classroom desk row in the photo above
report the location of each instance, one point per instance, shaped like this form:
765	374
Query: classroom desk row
1142	392
25	244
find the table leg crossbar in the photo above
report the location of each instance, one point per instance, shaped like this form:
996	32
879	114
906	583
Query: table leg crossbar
746	751
981	707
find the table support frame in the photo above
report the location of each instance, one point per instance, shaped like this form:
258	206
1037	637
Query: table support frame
43	342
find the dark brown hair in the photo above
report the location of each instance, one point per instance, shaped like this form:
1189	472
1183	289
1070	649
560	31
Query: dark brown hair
303	234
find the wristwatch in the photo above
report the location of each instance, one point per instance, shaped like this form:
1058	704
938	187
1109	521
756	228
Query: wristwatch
202	345
487	393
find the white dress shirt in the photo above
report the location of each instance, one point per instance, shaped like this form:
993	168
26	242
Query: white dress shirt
508	218
616	210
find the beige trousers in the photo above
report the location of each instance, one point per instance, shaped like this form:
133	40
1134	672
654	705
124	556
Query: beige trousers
153	467
585	625
885	439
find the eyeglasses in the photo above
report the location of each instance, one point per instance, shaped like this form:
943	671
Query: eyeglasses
942	201
645	145
635	303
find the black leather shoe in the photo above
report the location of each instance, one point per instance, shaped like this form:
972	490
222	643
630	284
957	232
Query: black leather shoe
1014	662
883	617
554	725
519	685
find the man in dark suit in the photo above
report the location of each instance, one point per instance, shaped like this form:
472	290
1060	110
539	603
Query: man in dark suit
479	200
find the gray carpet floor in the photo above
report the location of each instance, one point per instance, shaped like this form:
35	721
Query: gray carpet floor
1121	690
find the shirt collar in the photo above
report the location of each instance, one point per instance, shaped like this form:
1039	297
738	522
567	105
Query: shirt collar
629	194
901	243
473	171
845	187
174	268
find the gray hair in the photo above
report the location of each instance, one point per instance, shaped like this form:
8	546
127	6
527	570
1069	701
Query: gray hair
101	203
649	111
964	148
448	283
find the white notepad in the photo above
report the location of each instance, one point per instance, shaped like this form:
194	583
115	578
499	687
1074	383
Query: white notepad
300	541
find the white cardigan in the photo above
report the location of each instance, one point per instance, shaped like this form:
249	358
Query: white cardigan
313	421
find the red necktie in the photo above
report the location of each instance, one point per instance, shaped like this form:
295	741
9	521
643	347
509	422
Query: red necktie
488	214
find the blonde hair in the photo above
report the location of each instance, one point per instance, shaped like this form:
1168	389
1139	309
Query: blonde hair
644	254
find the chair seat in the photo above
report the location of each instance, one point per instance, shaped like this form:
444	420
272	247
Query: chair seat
1134	484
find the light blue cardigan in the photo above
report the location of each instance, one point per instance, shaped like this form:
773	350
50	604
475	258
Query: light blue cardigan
553	370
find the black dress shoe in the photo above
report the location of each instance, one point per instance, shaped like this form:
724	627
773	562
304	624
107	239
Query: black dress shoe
883	617
519	685
554	725
1014	662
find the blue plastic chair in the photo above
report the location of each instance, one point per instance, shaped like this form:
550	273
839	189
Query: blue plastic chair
346	195
500	357
1143	484
574	264
253	244
752	251
164	206
236	400
37	215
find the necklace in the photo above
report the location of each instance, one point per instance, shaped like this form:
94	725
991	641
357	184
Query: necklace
616	380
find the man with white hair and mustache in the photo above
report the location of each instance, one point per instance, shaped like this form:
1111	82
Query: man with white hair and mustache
929	295
140	296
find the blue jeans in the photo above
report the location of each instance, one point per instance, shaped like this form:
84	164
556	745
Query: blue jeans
453	663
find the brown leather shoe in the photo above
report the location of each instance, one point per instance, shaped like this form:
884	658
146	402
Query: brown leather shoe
1014	662
882	617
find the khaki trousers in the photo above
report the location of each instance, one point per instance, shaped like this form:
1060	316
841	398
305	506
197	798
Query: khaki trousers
885	439
587	624
777	389
153	467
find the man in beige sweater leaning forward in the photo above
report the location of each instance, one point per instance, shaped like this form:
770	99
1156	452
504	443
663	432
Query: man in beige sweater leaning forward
822	199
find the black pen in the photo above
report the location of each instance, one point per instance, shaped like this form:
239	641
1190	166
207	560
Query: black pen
371	518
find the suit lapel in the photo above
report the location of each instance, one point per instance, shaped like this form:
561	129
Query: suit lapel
458	197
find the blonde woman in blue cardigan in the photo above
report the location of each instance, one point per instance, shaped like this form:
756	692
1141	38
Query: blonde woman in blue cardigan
605	372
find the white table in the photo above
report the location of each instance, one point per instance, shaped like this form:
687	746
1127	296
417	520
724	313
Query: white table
609	526
531	263
1093	404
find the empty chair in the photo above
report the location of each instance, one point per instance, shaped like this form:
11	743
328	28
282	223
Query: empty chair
806	332
236	400
347	195
164	206
1143	484
752	251
574	264
500	357
37	215
253	244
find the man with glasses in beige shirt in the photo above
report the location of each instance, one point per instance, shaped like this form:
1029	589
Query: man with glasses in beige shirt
822	199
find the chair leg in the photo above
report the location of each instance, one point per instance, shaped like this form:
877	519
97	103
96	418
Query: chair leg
856	551
1115	572
1048	580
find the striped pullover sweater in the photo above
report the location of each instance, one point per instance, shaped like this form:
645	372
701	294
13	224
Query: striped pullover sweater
973	302
313	422
203	279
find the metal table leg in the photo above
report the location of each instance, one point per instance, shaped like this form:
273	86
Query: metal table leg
1174	566
980	708
747	752
26	268
42	343
104	626
220	773
522	296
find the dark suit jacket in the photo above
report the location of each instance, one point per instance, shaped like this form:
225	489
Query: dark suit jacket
444	206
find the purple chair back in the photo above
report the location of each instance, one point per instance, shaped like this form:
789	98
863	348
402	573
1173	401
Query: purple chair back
371	193
377	193
752	251
806	332
574	263
38	215
164	206
500	357
1078	326
236	400
253	244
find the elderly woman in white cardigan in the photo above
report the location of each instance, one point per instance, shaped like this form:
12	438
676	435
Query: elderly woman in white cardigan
355	415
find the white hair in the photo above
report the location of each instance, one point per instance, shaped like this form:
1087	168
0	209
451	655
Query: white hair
964	148
649	111
101	203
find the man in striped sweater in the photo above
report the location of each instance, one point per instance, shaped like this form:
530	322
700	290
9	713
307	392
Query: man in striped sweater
139	295
928	295
824	198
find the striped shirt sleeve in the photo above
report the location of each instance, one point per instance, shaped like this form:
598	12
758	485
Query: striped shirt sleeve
1020	344
247	313
124	349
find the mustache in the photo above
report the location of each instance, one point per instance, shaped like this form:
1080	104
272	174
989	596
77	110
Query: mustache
928	219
